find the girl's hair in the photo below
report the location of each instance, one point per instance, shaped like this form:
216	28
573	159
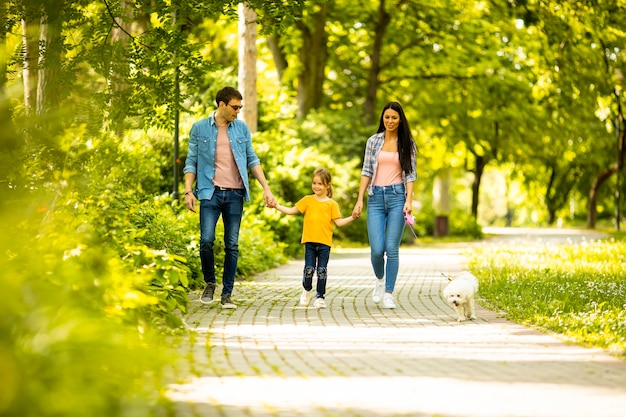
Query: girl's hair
406	143
324	175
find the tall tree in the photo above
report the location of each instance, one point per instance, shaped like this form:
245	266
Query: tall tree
49	79
8	139
30	37
381	22
247	64
313	55
583	57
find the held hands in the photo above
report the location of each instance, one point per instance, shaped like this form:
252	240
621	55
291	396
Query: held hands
358	208
270	200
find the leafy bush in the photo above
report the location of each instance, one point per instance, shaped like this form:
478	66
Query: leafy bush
66	346
96	269
291	181
464	224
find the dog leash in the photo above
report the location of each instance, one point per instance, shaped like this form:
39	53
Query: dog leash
409	220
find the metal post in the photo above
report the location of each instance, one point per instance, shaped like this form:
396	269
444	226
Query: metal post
176	121
176	116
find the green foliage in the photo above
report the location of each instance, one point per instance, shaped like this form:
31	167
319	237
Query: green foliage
290	165
339	134
97	270
574	290
462	223
259	247
64	333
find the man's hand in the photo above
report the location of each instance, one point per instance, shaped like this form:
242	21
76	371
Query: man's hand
190	202
269	199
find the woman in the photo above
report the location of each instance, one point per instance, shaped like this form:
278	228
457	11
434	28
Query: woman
388	176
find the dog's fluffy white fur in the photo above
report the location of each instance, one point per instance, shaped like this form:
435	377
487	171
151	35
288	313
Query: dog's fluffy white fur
460	294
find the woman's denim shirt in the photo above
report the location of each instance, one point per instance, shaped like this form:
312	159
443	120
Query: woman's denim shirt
201	154
370	160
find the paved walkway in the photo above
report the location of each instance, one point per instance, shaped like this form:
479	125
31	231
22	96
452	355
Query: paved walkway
271	357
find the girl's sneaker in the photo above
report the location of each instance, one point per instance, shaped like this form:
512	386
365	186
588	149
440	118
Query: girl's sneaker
320	303
305	298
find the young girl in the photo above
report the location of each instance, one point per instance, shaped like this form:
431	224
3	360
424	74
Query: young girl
321	213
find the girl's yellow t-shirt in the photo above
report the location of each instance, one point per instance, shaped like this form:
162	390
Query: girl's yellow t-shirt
319	217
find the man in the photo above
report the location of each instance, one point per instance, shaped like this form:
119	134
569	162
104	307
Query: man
219	157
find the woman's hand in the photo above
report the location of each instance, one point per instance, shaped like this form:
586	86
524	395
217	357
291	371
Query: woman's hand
408	207
358	208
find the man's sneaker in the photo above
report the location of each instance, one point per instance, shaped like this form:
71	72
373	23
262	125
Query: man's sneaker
320	303
378	290
305	297
207	294
227	302
388	301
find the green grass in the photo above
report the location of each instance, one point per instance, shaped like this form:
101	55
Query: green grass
578	291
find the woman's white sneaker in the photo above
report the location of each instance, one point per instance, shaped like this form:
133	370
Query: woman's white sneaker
388	301
378	290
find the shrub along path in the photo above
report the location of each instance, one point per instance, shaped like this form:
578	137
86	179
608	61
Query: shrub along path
271	357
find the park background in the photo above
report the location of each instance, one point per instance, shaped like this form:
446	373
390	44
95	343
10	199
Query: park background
515	106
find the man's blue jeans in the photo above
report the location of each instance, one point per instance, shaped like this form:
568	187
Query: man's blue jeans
228	204
385	224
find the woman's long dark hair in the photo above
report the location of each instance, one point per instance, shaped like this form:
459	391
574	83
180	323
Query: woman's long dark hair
406	143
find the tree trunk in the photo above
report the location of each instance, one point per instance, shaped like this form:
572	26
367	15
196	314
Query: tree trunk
559	188
7	134
478	174
313	57
280	62
49	77
118	69
247	64
592	212
369	109
548	197
30	40
441	201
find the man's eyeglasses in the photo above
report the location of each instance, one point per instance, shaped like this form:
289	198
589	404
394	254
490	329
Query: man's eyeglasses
235	107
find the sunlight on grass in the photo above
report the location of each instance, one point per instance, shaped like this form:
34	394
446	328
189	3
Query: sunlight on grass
578	291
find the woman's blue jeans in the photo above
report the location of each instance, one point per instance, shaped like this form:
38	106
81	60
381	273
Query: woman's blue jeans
228	204
385	224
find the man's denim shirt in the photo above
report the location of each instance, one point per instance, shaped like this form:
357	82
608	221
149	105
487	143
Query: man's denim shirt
201	154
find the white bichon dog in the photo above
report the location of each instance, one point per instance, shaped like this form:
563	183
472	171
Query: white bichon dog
460	293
